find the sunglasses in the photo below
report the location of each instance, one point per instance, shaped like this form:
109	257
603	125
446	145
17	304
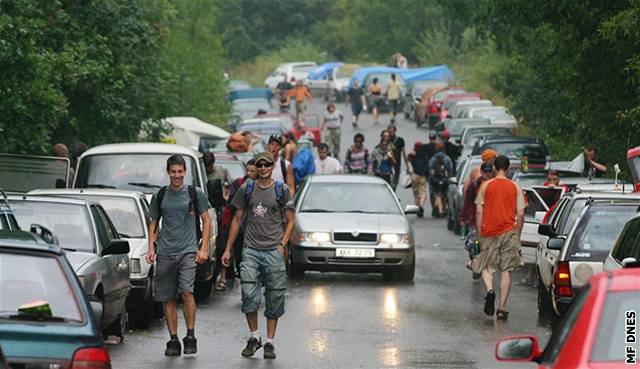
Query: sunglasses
263	165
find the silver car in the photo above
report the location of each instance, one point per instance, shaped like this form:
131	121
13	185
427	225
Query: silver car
93	247
351	223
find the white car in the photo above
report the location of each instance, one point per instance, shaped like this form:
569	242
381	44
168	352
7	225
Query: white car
299	70
627	248
129	212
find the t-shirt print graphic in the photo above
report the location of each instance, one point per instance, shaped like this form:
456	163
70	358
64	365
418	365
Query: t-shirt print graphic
259	211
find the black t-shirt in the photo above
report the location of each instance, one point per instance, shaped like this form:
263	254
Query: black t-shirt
589	169
452	150
355	94
398	143
284	86
421	159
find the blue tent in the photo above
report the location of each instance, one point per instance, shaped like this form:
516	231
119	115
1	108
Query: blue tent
324	70
251	93
437	73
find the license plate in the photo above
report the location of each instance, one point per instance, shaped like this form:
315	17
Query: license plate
355	253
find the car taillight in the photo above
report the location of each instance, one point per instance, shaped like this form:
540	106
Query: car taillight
433	108
91	358
562	280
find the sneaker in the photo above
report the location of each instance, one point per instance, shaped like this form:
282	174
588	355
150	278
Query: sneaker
489	303
269	351
253	345
190	345
173	348
420	212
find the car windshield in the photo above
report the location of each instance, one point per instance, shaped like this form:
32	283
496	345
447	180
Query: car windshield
251	106
597	231
610	340
70	223
374	198
124	213
263	128
455	127
235	168
518	149
25	173
473	133
35	286
303	68
488	112
137	172
443	94
495	117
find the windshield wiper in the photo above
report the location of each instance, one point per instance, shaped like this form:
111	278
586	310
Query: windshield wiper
69	249
316	211
97	185
21	315
144	184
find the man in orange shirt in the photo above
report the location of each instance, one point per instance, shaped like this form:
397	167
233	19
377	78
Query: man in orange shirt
500	215
299	93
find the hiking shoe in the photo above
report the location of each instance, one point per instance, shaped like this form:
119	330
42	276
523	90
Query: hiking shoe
253	345
269	352
489	303
190	345
173	348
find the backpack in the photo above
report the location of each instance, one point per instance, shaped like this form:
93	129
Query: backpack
193	196
279	188
283	168
440	170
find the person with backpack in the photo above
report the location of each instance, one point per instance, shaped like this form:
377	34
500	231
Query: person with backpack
358	160
399	153
176	250
282	169
440	170
383	158
419	167
265	209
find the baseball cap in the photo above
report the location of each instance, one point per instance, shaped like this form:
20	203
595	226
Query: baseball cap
432	135
488	154
445	134
266	156
486	167
275	138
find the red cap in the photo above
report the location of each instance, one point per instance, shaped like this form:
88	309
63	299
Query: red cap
445	134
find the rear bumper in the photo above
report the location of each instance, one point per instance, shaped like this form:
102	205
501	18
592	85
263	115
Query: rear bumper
324	259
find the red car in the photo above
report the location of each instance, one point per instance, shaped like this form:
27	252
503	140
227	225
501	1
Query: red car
599	331
453	99
435	103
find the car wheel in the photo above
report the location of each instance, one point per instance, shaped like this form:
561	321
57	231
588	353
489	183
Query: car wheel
202	290
407	274
544	303
119	326
141	316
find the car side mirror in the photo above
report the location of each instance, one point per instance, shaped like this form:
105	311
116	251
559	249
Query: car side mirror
453	180
546	230
44	233
521	348
96	309
539	215
555	243
411	209
116	247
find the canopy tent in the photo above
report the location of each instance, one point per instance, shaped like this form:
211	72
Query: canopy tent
251	93
324	70
436	73
190	132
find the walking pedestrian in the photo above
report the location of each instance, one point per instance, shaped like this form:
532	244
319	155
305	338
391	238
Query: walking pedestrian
331	129
440	170
452	150
290	149
468	217
487	156
419	165
399	153
393	96
283	169
375	91
500	214
176	249
325	164
383	158
358	160
213	170
284	86
300	93
268	224
358	102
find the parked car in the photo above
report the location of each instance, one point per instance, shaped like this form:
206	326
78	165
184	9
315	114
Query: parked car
236	84
581	252
471	134
23	173
592	334
243	109
46	321
456	126
473	111
263	126
456	110
414	94
436	102
7	218
626	251
495	114
129	212
533	149
193	133
330	80
451	101
299	70
93	247
533	214
339	227
422	109
142	167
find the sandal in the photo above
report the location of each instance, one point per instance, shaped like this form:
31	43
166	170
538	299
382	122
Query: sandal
221	285
502	314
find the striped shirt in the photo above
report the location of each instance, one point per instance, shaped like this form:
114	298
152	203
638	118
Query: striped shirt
358	161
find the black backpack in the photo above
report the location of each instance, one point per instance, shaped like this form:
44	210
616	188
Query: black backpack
440	170
193	196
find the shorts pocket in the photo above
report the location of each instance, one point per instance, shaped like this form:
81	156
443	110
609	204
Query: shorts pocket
276	278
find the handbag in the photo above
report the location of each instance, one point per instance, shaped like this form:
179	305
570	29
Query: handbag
406	182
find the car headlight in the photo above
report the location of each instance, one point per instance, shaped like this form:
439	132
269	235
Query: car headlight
395	240
318	237
136	268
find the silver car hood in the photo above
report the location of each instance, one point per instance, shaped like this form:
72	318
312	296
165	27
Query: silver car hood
78	259
347	222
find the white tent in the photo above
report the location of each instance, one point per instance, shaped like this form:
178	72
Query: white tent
189	131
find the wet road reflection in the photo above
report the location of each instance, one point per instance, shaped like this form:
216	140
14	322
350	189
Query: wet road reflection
319	303
390	356
390	312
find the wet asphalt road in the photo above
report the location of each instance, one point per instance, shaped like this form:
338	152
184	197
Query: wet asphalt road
337	320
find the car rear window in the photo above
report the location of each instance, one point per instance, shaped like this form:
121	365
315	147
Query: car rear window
575	210
30	281
533	151
597	231
610	341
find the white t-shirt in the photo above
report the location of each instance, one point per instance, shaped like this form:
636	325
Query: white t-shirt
276	175
333	120
328	166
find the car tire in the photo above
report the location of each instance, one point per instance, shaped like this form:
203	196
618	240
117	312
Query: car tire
119	326
141	316
544	302
202	290
408	273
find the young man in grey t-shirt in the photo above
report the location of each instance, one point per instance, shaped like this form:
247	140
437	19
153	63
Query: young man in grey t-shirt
266	208
176	251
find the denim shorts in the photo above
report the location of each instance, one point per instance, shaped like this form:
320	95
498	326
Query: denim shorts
174	275
260	266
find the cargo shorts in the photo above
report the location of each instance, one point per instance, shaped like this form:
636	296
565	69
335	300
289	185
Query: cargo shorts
260	266
500	252
419	186
173	276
